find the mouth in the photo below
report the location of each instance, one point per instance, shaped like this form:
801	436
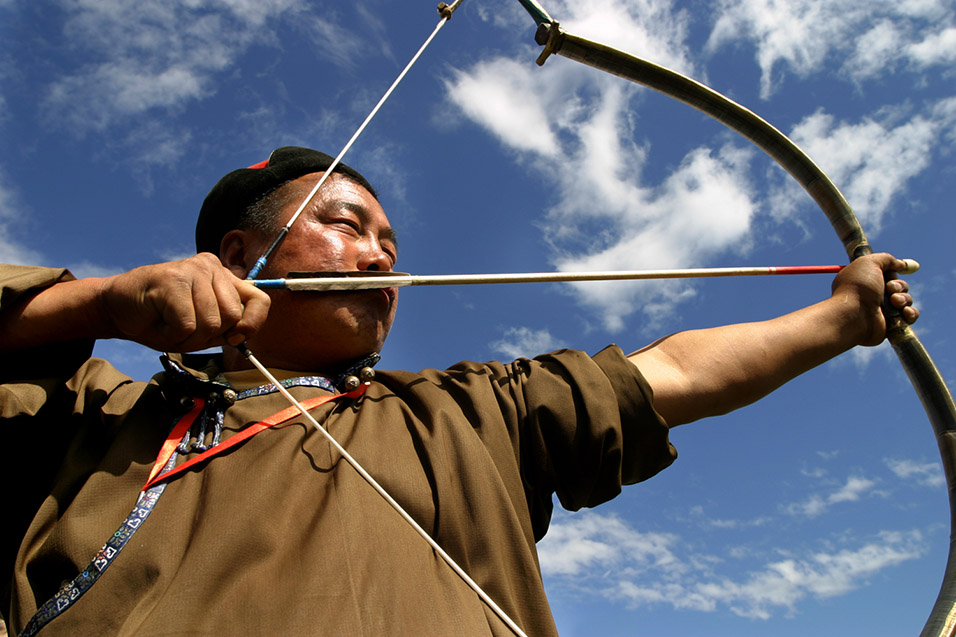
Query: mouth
390	294
387	296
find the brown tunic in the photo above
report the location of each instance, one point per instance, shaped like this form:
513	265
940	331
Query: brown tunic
281	536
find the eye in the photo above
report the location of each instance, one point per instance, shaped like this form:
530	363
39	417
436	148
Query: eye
390	249
350	223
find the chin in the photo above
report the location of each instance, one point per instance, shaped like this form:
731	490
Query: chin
347	347
322	332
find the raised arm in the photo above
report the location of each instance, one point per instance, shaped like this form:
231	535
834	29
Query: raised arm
709	372
177	306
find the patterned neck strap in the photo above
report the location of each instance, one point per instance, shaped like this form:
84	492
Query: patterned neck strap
164	468
349	380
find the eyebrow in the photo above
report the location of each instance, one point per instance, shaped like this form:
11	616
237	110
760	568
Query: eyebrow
388	233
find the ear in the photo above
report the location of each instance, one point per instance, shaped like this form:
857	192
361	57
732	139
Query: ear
237	251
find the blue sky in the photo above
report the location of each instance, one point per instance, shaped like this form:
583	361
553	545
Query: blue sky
821	508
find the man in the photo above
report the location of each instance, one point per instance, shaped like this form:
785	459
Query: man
276	534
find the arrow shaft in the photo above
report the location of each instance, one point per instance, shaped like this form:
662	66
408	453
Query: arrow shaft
371	282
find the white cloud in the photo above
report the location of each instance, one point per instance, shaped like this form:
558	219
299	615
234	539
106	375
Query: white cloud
335	43
852	490
529	108
818	503
388	175
945	112
701	210
377	25
651	29
509	14
575	127
520	342
783	583
134	360
740	524
12	250
150	55
874	50
580	544
872	37
797	33
872	160
82	269
601	555
888	46
928	474
149	145
863	357
176	254
936	48
493	95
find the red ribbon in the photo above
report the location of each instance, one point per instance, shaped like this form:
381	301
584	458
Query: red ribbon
176	435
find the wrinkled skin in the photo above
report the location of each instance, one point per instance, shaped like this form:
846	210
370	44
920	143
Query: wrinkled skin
344	228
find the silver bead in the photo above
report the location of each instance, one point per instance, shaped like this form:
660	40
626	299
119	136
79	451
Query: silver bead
367	374
230	396
351	383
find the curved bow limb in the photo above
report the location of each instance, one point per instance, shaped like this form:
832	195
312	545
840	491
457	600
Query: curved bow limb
925	376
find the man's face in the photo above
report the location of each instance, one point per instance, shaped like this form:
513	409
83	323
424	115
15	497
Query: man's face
342	229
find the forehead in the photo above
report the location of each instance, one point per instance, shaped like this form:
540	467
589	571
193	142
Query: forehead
338	192
337	188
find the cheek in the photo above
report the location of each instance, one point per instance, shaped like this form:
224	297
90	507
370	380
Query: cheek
323	253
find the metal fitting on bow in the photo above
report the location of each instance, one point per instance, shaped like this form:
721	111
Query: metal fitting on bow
445	10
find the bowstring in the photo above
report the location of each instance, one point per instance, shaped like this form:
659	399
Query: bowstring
446	13
261	261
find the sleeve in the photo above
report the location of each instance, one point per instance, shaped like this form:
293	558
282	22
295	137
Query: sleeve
18	282
45	395
590	428
564	423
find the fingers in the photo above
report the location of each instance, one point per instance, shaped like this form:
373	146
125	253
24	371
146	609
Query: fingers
879	299
897	292
187	305
228	310
255	305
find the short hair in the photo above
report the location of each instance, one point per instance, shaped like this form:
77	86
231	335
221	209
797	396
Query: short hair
244	198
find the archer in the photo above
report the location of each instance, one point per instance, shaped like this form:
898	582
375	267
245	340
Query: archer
277	534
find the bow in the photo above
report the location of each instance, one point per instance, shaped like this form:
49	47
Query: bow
926	379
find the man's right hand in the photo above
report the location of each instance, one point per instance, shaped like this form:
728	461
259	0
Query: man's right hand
180	306
183	306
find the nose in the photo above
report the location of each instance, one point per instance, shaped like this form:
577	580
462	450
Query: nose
374	258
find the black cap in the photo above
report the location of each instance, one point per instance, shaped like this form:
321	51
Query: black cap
236	192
